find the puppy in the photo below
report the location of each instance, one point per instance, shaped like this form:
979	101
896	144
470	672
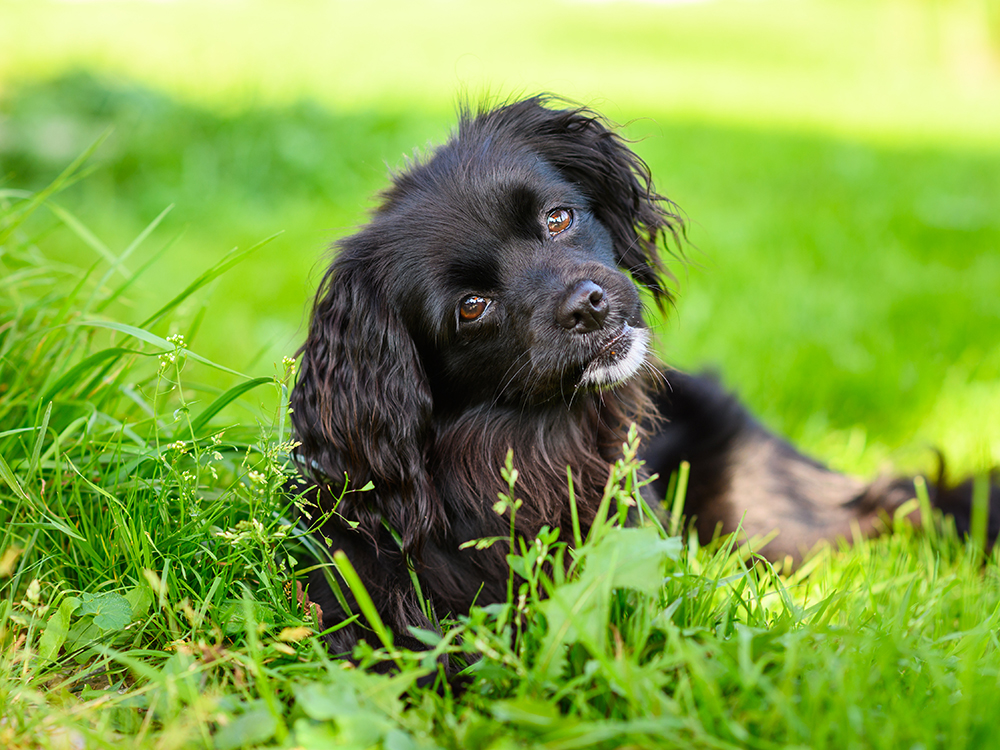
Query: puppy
492	304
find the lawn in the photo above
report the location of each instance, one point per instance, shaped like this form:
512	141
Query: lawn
840	167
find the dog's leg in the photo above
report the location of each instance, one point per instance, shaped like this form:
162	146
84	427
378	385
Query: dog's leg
742	473
392	593
382	568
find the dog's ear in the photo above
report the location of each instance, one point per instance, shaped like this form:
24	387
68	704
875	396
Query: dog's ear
586	151
361	406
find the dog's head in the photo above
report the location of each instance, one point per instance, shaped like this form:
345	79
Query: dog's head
501	270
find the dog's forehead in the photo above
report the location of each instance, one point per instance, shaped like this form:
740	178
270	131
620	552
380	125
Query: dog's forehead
488	183
474	196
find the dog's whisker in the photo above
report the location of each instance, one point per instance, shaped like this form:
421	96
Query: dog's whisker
654	372
527	356
501	389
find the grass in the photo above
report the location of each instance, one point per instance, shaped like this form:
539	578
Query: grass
148	594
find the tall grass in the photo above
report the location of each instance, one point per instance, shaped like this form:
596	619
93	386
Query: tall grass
149	564
136	512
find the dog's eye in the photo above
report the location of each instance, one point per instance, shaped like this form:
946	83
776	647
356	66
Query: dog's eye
559	220
472	308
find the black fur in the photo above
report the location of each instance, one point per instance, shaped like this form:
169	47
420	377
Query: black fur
397	389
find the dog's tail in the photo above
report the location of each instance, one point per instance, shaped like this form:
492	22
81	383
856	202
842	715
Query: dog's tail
742	476
962	502
959	504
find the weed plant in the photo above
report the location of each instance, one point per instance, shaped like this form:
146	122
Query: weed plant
150	571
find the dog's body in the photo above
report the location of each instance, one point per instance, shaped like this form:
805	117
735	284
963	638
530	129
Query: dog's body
491	304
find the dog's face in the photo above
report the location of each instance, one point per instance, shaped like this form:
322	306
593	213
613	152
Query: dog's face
501	270
506	279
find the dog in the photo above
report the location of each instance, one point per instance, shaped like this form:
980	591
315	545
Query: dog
491	303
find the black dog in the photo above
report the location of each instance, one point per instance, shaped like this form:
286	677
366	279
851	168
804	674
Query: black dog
491	304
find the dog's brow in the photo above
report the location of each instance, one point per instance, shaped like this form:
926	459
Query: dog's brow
474	270
521	208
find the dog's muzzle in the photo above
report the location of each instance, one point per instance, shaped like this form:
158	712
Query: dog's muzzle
618	359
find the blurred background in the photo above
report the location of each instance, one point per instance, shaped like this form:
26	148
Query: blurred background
839	162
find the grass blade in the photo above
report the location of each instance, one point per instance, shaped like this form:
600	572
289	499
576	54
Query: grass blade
926	512
36	450
680	492
157	341
201	421
17	217
979	522
231	258
120	260
8	476
89	238
138	274
74	373
364	600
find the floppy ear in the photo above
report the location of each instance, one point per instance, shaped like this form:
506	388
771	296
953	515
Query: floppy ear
579	144
361	406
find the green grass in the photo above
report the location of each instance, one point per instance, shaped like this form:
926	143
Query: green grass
148	595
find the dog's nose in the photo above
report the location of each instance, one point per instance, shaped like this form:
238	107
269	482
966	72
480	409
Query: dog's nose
584	308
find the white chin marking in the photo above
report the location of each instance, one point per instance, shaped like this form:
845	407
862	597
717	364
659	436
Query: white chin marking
617	366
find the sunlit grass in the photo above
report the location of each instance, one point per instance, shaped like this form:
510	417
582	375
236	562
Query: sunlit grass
890	70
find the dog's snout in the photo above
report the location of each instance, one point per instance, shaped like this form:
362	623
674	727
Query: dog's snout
584	308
